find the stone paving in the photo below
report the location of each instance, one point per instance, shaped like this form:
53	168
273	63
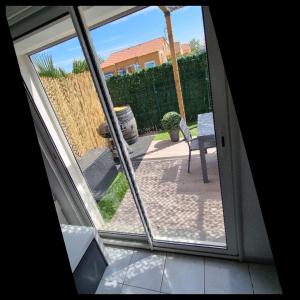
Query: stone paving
180	207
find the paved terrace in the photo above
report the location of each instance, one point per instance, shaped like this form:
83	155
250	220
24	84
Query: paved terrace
179	205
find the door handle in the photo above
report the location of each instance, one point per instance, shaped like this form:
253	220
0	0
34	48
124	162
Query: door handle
222	141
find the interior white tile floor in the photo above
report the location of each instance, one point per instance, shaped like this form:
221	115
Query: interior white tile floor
133	271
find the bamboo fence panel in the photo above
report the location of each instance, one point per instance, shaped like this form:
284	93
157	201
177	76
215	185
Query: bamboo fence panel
77	107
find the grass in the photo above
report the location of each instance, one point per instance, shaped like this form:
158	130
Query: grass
109	203
164	135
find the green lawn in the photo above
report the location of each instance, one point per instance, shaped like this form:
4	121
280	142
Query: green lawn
112	198
163	135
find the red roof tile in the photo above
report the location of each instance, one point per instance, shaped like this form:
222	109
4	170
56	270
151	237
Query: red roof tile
135	51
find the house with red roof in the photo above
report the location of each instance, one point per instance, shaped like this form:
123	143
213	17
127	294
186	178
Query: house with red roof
182	49
142	56
186	49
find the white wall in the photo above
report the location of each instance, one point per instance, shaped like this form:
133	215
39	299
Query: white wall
59	195
255	240
252	239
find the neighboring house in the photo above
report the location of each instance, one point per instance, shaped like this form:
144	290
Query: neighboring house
182	49
186	49
141	56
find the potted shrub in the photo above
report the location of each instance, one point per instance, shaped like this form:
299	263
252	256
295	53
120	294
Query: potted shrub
170	122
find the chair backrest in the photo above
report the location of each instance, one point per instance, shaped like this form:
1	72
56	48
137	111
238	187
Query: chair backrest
185	130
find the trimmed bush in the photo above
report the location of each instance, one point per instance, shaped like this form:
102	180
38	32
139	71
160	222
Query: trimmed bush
170	121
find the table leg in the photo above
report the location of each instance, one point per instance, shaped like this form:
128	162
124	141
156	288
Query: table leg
203	165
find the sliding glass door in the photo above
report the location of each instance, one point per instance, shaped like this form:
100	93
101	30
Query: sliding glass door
184	205
80	126
136	184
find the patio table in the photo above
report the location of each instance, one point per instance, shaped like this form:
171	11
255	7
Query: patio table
206	139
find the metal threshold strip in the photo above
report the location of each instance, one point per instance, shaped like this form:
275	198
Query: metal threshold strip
140	241
130	242
142	237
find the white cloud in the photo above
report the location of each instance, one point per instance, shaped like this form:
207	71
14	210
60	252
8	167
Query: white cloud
73	48
114	38
140	12
110	50
108	40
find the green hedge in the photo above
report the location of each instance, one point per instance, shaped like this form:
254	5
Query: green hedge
151	93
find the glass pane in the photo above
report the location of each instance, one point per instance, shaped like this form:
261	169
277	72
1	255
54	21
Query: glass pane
181	207
68	84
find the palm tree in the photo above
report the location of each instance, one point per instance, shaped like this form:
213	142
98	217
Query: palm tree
46	68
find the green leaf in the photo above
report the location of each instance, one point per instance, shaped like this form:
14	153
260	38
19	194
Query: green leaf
80	66
45	67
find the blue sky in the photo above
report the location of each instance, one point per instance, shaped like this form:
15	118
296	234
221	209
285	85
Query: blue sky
134	29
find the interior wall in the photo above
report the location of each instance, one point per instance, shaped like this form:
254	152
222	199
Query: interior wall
252	236
58	194
255	242
66	212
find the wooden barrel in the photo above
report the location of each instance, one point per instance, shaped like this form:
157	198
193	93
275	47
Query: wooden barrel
127	123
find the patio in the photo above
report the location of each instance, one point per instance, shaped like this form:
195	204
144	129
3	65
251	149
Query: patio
180	207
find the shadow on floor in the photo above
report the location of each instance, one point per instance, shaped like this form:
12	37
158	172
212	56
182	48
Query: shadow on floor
161	145
139	149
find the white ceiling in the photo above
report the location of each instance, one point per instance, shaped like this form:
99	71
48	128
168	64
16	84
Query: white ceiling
63	28
15	14
12	11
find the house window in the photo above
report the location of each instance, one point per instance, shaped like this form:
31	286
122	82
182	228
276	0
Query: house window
108	75
121	72
130	69
133	68
150	64
137	67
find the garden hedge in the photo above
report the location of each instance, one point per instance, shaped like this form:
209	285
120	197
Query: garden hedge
151	93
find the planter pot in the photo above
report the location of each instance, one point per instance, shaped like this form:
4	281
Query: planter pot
174	135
